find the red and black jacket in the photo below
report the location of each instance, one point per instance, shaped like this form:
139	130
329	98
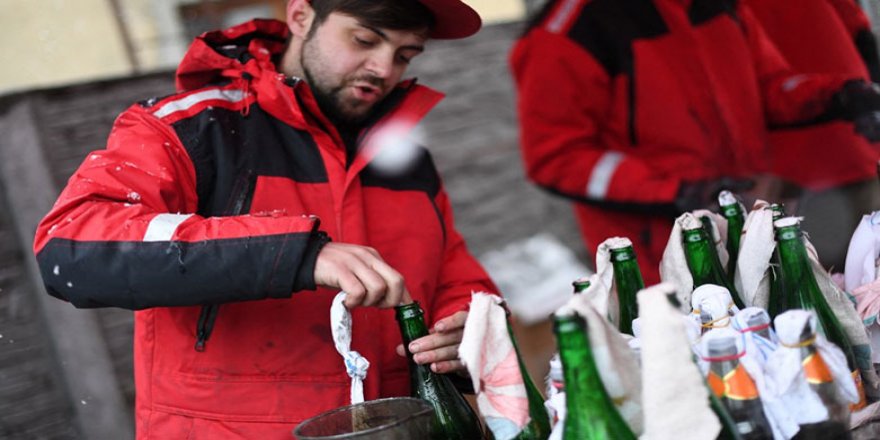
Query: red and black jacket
622	100
827	37
223	194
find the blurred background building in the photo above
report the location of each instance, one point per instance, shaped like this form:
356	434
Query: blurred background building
59	42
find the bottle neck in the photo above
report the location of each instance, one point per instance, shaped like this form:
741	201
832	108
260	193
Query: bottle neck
411	321
699	256
580	285
795	266
585	392
628	279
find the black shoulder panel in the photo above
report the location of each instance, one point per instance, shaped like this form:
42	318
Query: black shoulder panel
702	11
419	175
227	147
607	29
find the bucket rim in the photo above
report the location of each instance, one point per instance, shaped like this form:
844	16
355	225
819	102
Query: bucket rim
425	408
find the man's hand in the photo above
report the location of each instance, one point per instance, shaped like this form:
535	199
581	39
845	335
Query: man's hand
440	348
362	274
868	126
855	99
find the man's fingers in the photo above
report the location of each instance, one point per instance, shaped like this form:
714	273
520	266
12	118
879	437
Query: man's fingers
456	321
436	340
400	350
447	367
361	272
447	353
393	280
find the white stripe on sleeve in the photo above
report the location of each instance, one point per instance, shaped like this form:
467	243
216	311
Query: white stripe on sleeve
191	100
603	171
162	226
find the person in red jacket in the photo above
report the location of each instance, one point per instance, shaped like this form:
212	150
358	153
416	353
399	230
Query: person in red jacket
229	214
639	110
830	170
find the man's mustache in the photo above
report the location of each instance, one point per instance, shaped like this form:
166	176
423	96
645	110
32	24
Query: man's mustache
371	80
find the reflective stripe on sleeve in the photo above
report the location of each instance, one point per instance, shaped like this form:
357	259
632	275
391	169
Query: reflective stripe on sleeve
162	226
191	100
603	171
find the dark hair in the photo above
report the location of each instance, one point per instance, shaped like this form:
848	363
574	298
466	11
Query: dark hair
383	14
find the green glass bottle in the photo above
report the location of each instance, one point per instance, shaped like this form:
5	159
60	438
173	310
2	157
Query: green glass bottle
590	413
703	262
454	417
802	291
538	427
580	285
776	299
733	211
628	279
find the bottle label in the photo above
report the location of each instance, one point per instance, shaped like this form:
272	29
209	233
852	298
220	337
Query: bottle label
815	369
736	385
739	386
857	377
716	383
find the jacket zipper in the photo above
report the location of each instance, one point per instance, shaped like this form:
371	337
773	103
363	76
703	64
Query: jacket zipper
208	314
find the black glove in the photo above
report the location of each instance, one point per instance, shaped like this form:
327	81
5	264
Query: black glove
868	126
855	99
703	194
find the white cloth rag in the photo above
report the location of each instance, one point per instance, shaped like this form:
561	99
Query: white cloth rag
673	264
355	365
603	291
863	252
784	368
756	345
752	278
487	352
675	400
714	301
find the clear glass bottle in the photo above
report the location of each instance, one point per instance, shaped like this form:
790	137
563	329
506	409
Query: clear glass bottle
731	383
822	383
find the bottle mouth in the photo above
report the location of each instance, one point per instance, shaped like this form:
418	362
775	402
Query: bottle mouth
726	198
407	311
718	347
786	222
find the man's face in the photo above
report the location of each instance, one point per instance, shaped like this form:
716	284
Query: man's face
351	66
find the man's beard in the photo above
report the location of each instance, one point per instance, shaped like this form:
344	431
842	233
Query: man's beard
329	99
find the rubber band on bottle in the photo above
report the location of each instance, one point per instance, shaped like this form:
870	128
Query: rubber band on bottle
799	344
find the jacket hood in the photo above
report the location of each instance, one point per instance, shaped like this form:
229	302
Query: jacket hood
249	47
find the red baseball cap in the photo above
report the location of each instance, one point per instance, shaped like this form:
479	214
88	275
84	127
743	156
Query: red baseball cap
452	19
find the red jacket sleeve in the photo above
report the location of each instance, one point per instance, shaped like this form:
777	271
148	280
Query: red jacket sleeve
461	273
125	233
852	16
563	95
789	97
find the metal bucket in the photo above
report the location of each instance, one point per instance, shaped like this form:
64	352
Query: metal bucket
396	418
